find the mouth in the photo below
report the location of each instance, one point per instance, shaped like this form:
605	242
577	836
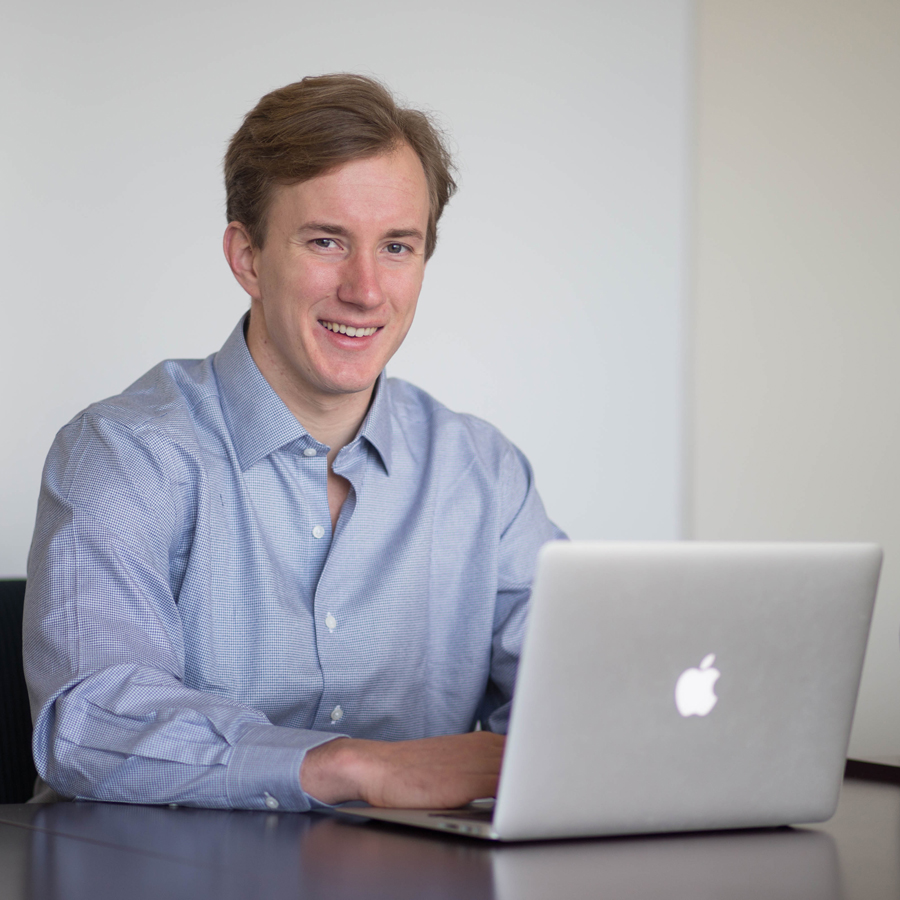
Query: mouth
348	330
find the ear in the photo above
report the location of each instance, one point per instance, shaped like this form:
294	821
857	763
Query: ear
241	256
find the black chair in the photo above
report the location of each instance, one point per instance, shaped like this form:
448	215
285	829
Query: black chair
17	772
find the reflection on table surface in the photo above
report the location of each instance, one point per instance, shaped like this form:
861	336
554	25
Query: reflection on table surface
95	851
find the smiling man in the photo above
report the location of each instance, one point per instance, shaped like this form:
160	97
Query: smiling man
276	578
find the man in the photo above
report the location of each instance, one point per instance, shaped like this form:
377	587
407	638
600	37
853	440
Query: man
274	578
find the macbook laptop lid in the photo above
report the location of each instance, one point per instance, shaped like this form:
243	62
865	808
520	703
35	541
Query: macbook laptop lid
679	686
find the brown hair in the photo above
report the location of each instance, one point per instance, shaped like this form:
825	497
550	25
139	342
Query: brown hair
314	125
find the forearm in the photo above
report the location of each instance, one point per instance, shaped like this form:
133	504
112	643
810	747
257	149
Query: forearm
139	736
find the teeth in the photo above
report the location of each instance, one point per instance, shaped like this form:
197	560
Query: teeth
349	330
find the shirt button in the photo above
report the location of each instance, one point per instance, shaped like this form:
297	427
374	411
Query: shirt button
318	532
271	802
309	451
331	622
337	714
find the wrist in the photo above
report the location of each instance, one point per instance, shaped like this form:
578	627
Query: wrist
331	772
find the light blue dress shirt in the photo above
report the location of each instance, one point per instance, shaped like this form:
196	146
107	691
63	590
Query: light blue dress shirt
192	624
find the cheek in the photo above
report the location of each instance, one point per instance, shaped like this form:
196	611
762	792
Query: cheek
314	282
405	291
298	290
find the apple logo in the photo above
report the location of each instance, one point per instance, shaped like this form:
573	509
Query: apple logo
694	694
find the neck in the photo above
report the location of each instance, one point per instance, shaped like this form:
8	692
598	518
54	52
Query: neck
332	419
334	423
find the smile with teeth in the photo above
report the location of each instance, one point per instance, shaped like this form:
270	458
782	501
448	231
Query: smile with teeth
349	330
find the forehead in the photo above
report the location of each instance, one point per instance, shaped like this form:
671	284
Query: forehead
376	190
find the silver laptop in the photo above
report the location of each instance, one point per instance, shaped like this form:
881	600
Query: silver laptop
675	687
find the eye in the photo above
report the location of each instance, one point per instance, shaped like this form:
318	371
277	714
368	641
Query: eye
324	243
396	248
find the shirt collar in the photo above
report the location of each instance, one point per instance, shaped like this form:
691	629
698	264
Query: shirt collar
258	421
376	427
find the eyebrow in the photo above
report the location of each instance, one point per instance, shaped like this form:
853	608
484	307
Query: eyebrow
340	231
324	227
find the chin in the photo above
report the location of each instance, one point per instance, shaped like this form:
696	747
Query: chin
348	385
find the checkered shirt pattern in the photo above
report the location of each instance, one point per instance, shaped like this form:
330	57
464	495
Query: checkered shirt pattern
193	626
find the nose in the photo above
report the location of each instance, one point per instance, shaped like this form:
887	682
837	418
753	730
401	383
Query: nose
360	283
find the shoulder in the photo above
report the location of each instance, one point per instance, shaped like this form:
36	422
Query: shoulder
472	465
171	394
171	398
146	427
426	422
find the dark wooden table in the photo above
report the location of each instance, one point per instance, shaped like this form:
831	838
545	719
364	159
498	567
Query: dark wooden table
94	851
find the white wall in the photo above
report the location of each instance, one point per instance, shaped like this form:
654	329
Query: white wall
796	344
554	304
552	307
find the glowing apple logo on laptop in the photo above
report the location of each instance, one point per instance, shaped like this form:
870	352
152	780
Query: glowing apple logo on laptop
694	694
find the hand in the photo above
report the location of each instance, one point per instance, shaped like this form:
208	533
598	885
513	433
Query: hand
438	773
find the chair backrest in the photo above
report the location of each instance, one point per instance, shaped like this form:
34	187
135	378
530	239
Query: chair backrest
17	772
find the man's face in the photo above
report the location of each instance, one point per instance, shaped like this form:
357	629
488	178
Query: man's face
334	289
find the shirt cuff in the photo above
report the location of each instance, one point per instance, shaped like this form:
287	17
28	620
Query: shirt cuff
264	769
